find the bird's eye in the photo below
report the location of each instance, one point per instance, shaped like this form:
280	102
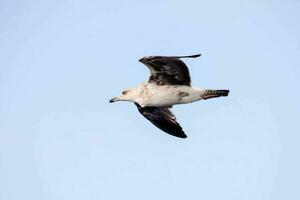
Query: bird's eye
124	92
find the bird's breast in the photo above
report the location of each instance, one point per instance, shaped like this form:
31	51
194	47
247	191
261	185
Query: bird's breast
161	96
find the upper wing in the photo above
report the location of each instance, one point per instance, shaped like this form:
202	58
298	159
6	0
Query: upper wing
163	119
168	70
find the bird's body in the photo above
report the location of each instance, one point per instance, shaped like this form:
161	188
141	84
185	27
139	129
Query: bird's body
149	94
169	84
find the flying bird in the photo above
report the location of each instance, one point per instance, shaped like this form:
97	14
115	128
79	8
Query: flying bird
169	84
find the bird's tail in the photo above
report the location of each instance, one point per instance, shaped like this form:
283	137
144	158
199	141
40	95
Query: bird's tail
207	94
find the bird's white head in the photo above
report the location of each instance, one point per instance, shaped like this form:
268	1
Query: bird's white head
127	95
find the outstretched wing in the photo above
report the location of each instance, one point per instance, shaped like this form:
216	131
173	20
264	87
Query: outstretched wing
168	70
163	119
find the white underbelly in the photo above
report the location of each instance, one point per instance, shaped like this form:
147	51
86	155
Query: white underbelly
160	96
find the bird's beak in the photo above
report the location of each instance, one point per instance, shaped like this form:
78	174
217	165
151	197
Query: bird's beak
113	100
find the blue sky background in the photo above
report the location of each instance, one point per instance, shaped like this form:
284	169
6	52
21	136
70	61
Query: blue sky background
62	60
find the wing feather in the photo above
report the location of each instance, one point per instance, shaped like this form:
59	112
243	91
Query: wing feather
163	119
168	70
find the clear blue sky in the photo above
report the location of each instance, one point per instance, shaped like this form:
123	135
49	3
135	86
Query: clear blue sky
62	60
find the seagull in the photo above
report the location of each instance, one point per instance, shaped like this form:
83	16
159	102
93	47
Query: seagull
169	84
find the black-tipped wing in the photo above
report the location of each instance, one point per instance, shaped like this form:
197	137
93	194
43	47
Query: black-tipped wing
168	70
163	119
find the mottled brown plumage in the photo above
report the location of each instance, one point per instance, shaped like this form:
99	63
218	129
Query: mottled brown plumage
168	70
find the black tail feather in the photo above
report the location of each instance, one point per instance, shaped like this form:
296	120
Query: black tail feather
215	93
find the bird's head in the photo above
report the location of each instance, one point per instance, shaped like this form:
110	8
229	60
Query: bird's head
127	95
